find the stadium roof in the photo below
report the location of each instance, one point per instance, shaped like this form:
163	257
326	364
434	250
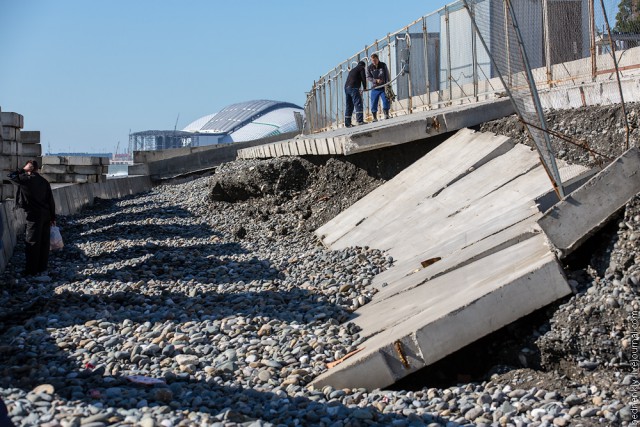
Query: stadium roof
235	116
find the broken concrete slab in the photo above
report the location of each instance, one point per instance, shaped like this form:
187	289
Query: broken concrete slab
587	209
416	328
443	165
470	207
427	209
409	273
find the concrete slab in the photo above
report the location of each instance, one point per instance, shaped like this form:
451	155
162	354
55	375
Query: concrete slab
419	327
436	228
410	273
587	209
469	208
442	166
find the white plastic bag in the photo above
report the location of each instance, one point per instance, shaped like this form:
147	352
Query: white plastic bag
55	239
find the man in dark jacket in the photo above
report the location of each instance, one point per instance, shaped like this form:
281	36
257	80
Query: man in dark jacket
40	208
378	75
353	94
5	421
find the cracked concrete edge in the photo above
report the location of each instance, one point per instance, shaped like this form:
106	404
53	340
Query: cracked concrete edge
587	209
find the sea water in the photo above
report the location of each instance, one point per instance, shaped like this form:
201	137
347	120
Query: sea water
118	170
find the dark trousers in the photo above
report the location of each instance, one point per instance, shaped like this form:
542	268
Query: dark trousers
37	245
353	100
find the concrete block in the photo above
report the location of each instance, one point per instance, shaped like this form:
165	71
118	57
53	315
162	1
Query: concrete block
30	137
9	148
10	134
7	191
13	120
8	162
83	160
53	160
587	209
30	149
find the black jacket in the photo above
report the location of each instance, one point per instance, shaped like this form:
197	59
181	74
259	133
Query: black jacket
37	195
380	72
357	77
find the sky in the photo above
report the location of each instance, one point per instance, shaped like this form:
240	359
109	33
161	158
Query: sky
86	73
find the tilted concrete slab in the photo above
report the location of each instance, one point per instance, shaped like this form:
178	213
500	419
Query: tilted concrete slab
386	133
587	209
444	165
469	207
425	209
408	274
421	326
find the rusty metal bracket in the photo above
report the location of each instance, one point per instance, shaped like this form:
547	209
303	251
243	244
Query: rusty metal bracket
403	359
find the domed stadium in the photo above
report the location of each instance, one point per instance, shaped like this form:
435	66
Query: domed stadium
244	121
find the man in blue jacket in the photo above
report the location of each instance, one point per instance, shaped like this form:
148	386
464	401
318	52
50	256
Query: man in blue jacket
37	202
378	75
353	94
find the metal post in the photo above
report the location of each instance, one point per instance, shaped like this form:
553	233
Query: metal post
474	54
340	96
330	99
546	39
338	88
592	38
507	42
425	37
407	42
449	77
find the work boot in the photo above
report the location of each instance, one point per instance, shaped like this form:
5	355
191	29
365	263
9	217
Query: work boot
375	116
386	114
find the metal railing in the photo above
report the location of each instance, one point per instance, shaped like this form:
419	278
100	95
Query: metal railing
439	60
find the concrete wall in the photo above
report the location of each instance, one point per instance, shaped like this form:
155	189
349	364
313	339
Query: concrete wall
69	199
171	163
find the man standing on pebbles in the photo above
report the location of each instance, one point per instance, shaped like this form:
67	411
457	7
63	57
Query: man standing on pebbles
37	202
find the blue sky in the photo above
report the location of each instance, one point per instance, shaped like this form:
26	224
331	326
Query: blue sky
84	73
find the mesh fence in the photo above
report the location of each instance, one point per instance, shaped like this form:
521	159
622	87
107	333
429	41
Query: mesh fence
440	59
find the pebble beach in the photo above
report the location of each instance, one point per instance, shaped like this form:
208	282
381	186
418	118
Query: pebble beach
170	309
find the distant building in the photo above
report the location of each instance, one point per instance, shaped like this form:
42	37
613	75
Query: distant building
245	121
